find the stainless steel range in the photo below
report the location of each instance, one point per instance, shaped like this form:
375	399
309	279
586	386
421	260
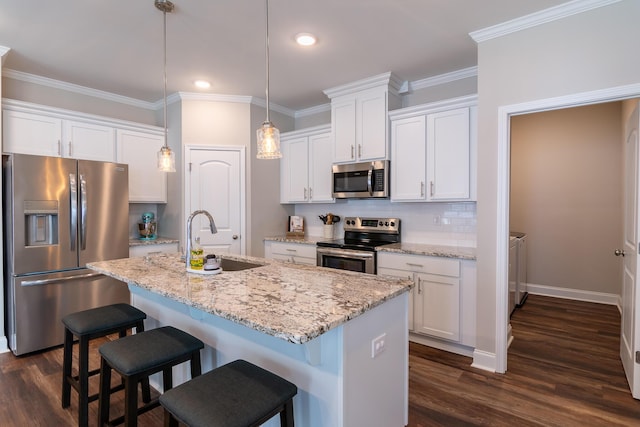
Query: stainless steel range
357	251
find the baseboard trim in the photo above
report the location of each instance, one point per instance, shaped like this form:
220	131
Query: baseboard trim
4	347
484	360
574	294
460	349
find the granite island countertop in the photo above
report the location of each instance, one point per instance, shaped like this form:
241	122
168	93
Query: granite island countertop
296	303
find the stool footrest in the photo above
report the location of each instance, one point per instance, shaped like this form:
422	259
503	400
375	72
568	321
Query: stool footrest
154	403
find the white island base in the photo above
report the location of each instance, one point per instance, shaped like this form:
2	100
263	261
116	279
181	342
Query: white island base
339	383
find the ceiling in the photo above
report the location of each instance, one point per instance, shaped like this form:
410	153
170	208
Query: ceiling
116	45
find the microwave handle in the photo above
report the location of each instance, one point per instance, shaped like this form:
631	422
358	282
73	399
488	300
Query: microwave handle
370	180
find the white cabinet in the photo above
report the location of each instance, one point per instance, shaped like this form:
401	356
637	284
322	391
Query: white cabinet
151	249
139	150
296	253
44	135
359	118
433	152
305	168
443	297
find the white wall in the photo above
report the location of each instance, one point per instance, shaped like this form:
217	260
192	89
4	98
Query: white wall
590	51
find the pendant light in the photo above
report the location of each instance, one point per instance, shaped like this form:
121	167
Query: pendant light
268	134
166	157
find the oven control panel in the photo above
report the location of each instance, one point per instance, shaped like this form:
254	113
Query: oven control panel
379	225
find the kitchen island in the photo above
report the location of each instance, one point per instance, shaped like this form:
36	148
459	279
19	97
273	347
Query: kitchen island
341	337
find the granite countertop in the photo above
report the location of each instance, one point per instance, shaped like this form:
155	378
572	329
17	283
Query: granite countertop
159	241
296	303
461	252
307	240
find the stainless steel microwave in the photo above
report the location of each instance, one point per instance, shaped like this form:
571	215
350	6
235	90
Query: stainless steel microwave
361	180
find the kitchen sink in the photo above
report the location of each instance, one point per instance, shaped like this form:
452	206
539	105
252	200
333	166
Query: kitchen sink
233	265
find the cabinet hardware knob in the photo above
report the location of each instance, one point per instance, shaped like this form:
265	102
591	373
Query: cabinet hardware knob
234	237
352	151
421	188
70	149
431	185
619	252
359	150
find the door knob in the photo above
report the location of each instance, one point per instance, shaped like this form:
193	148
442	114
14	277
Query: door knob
619	252
234	237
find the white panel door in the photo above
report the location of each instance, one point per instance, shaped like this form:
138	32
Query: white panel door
630	321
215	183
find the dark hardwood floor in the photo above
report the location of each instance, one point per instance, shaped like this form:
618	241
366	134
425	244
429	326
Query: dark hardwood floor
563	370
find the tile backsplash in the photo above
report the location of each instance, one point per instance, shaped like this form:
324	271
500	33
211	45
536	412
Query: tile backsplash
432	223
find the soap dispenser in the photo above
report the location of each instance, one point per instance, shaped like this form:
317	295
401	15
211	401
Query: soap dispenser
197	255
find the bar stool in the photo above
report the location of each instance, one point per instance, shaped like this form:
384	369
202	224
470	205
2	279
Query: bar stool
238	394
136	357
87	325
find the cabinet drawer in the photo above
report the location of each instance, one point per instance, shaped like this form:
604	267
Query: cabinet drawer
419	264
293	249
142	250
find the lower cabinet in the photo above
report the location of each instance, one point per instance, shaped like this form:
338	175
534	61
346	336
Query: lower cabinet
442	303
150	249
296	253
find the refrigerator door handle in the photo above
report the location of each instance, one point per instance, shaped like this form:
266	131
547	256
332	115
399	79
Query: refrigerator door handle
59	279
83	213
73	192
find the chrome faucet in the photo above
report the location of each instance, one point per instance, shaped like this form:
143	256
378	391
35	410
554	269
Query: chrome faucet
212	225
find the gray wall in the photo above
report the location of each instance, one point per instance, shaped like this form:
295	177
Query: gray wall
585	52
566	193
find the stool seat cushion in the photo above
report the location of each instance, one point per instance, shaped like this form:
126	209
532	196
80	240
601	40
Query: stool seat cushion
98	319
234	395
150	349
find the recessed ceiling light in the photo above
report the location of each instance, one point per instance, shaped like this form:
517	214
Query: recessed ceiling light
305	39
202	84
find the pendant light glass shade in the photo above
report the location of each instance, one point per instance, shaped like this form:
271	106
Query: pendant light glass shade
268	135
166	157
269	142
166	160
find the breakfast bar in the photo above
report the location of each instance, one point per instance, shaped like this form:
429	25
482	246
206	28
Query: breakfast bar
341	337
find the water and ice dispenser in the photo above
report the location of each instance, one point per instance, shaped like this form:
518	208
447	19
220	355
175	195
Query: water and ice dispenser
41	222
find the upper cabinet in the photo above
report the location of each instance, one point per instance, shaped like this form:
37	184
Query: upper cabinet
46	135
139	150
359	121
305	168
46	131
433	152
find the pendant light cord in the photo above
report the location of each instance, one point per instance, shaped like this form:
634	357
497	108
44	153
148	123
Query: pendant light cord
267	55
164	12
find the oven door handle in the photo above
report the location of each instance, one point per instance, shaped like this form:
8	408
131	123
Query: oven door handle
345	253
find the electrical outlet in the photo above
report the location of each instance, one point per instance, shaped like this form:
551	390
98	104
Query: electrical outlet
378	345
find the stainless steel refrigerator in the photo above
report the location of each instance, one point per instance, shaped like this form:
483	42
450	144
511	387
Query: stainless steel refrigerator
59	214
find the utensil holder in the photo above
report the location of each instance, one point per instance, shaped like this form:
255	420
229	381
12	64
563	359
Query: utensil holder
328	231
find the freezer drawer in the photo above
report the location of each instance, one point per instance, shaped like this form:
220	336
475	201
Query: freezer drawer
37	303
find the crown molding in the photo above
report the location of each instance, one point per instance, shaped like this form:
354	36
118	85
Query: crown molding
70	87
312	110
443	78
538	18
394	82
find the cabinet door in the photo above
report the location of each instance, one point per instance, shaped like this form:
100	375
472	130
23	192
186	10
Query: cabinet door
294	171
371	121
383	271
448	148
408	155
437	306
140	150
29	133
320	161
89	141
343	123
